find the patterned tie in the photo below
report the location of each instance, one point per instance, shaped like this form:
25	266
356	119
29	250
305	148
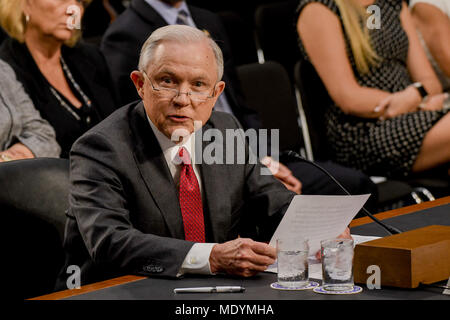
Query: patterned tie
190	200
182	17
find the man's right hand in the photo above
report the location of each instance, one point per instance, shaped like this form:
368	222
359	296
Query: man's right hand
242	257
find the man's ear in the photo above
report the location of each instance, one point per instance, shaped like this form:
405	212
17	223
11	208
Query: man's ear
220	86
138	80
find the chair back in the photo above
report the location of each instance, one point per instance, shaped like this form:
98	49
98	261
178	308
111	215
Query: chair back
268	90
276	33
33	201
314	100
240	38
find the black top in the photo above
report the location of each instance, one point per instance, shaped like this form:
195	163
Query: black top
88	77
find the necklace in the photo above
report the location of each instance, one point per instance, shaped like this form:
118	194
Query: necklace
86	100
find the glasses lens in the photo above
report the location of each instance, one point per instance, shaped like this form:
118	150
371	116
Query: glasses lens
199	96
170	93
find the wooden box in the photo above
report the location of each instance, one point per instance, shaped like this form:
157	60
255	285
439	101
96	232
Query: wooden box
407	259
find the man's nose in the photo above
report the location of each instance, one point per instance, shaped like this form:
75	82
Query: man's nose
183	97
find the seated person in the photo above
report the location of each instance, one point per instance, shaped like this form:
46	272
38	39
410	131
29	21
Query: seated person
124	38
141	202
68	82
432	20
380	122
23	133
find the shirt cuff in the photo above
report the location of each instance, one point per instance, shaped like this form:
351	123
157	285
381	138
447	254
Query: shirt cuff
197	260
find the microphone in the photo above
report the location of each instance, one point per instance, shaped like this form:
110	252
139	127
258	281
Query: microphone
390	229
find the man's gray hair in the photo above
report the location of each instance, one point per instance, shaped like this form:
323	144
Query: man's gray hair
180	34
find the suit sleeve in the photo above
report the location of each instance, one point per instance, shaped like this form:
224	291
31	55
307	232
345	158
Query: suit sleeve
98	203
266	200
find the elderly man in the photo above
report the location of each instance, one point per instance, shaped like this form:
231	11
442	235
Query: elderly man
124	38
140	201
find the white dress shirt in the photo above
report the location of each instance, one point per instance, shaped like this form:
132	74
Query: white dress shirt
197	259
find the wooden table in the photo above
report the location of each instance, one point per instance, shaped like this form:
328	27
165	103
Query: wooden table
131	278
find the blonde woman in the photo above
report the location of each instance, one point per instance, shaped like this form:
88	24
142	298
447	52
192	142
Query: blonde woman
389	115
68	82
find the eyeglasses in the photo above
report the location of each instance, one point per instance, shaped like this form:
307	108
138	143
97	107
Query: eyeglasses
170	91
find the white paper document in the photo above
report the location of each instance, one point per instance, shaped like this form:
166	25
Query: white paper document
318	218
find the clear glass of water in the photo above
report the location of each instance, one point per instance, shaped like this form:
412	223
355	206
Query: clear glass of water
292	262
337	264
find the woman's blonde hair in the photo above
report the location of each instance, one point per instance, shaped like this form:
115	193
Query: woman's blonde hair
353	18
13	20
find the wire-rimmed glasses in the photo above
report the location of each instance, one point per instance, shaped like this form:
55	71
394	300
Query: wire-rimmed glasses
199	95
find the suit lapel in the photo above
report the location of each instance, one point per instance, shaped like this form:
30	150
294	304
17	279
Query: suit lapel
215	190
156	175
155	172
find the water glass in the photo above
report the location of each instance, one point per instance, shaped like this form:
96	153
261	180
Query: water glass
292	261
337	264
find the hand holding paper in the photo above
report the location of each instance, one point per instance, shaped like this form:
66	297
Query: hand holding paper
318	217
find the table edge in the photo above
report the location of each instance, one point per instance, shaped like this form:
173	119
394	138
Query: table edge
131	278
401	211
89	288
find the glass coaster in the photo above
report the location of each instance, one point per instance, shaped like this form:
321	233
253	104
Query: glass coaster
310	285
356	289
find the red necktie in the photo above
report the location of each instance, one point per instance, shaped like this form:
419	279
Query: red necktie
190	200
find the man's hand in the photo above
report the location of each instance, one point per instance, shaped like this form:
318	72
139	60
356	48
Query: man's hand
282	173
242	257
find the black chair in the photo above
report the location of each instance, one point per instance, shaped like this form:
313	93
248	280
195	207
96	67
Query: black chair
267	89
240	37
313	99
33	201
276	34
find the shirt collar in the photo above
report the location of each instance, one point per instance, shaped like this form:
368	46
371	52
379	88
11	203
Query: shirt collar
170	13
170	149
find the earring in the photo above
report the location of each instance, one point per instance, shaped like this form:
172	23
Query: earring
27	19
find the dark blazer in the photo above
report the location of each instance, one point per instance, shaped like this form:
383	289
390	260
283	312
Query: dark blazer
89	69
123	41
124	214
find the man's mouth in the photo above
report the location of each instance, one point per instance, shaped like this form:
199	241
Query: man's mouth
177	118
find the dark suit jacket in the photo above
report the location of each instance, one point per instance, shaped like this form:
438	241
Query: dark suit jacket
89	70
123	41
124	214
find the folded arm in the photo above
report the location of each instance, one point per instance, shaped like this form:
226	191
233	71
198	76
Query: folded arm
323	37
434	26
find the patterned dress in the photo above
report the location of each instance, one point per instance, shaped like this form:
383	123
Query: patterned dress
379	147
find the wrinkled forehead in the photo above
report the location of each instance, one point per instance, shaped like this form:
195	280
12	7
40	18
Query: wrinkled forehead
196	56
